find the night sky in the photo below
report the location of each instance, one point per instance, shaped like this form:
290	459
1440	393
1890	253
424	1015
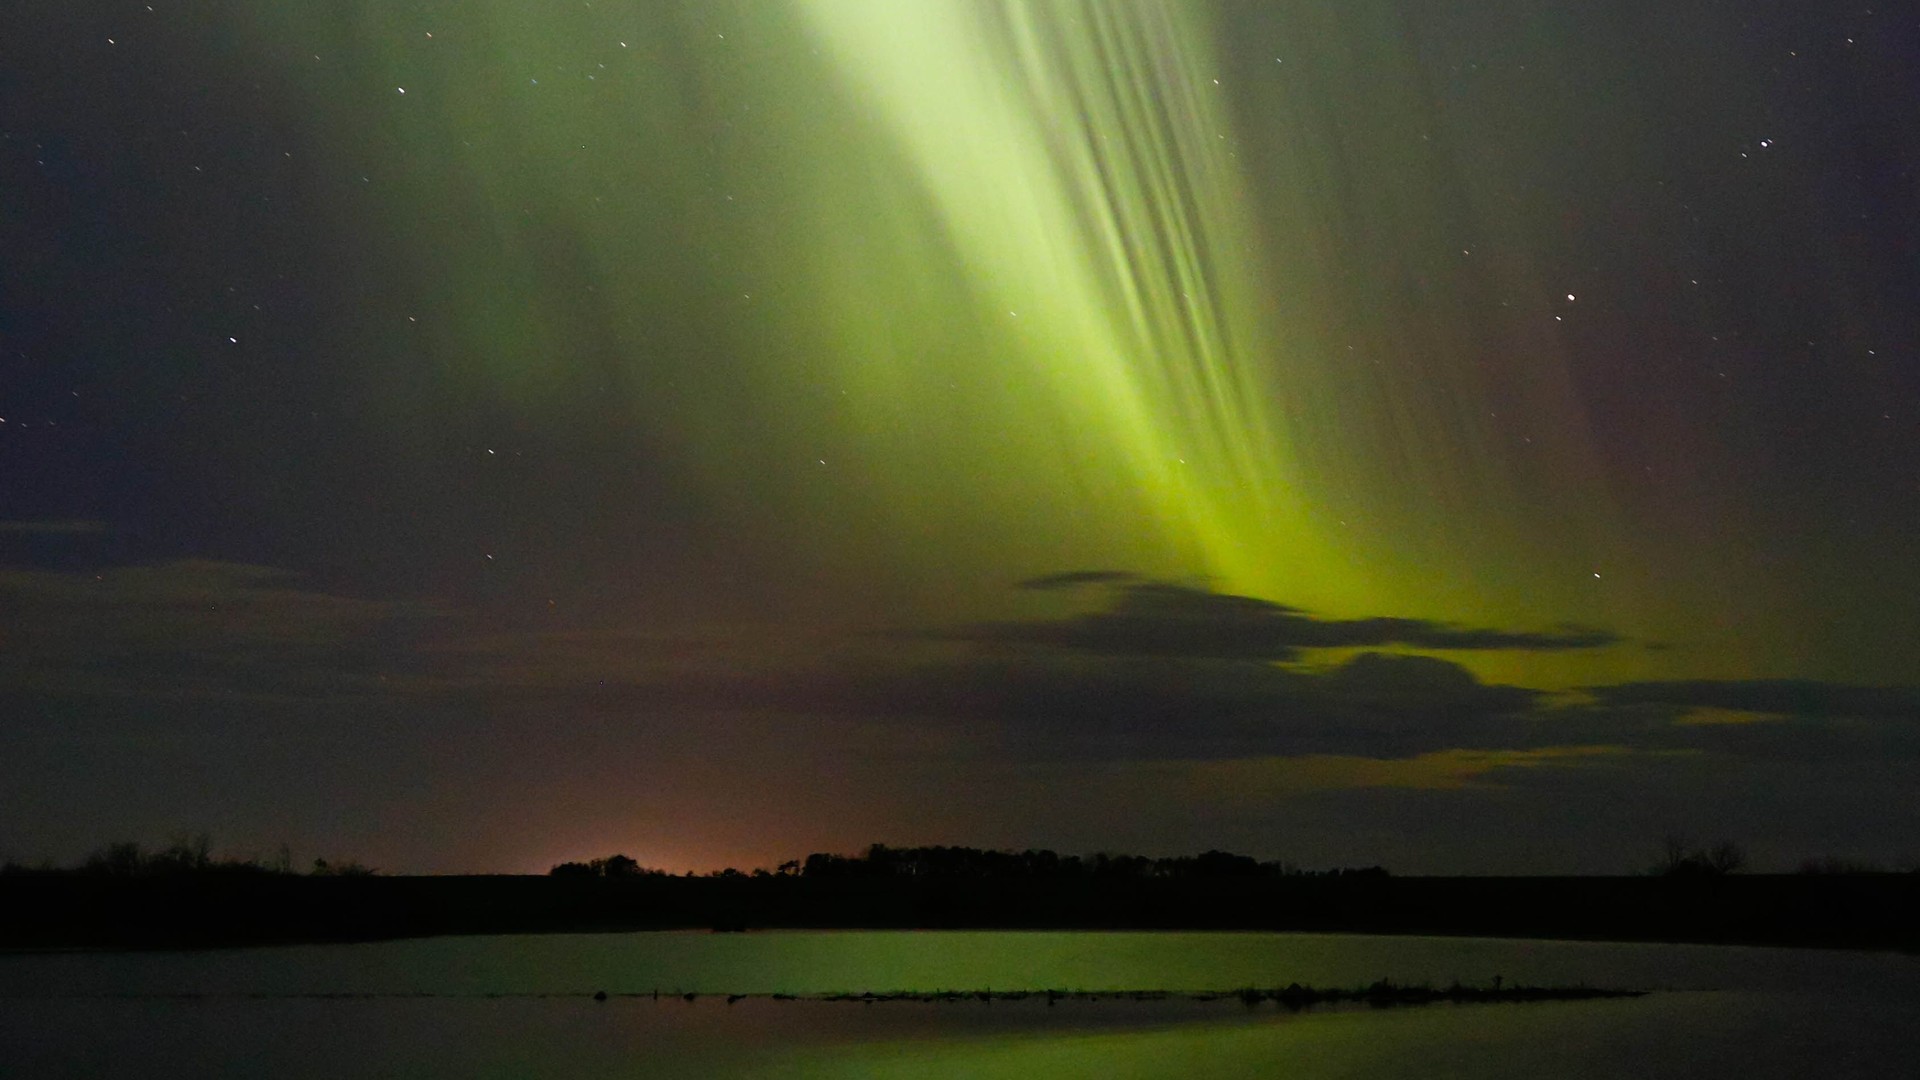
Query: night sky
471	435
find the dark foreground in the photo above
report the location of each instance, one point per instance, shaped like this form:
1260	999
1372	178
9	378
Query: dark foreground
87	911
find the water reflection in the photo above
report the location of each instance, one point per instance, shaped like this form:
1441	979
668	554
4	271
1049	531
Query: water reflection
1757	1013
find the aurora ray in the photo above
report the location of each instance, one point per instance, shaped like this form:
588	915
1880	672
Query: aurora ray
1079	160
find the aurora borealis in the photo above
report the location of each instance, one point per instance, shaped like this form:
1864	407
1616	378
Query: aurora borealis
472	435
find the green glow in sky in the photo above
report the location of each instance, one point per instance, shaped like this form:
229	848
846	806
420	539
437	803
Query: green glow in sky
936	296
837	409
990	269
1080	170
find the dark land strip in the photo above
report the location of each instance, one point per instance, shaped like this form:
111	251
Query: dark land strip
1867	911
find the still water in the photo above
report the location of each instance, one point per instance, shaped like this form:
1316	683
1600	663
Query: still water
522	1006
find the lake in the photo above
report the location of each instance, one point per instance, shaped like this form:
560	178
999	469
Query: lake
522	1006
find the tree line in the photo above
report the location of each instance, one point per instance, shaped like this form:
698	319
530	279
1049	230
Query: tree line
188	855
882	861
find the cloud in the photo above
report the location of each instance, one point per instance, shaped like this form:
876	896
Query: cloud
1044	704
1771	697
196	628
1163	673
1110	708
1178	674
1149	618
1261	779
1775	720
1073	579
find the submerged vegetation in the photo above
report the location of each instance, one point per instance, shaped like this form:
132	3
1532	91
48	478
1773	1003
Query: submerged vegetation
1383	993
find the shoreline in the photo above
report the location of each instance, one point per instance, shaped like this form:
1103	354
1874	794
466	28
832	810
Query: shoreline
213	911
1294	996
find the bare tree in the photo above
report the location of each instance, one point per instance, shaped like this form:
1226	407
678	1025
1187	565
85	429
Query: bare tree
1675	855
1726	857
1679	859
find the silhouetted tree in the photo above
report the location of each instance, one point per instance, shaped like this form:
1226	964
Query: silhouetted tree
185	853
879	860
1726	857
1673	855
613	866
1679	860
121	858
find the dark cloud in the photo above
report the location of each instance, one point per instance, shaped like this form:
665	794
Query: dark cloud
1774	697
1164	673
1788	722
197	628
1073	579
1146	618
1069	707
1422	684
1047	704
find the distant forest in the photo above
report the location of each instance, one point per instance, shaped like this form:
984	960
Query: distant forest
193	855
881	861
187	855
183	895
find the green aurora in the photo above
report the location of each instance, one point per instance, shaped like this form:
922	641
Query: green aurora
969	291
735	345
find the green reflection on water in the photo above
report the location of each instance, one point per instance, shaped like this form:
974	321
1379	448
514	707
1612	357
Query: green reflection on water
1778	1013
1558	1040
